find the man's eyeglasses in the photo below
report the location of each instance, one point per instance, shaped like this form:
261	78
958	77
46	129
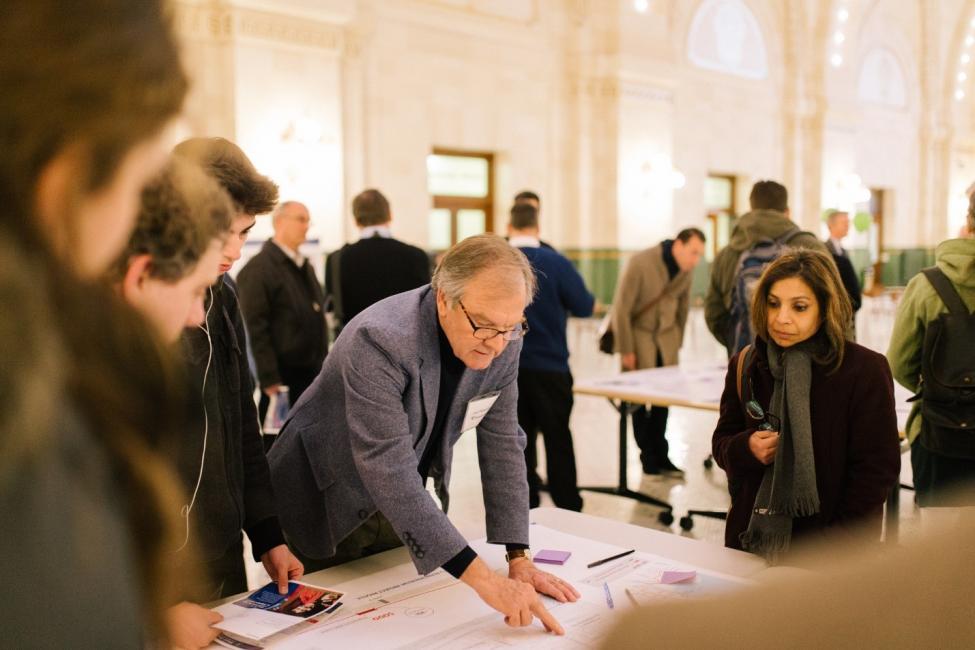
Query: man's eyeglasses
488	333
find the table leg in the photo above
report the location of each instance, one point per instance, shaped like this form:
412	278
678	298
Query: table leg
622	489
892	515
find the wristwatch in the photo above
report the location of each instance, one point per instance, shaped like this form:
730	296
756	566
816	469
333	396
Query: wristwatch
516	553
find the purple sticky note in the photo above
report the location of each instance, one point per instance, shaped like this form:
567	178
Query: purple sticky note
673	577
547	556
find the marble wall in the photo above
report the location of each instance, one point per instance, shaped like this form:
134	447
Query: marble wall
614	110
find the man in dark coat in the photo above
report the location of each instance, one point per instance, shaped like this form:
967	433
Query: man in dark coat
282	303
221	461
375	267
839	225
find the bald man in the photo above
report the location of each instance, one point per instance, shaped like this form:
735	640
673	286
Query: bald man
282	301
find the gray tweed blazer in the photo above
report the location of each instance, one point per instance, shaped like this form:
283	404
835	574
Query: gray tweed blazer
355	438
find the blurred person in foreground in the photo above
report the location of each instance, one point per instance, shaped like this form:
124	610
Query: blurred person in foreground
88	509
914	596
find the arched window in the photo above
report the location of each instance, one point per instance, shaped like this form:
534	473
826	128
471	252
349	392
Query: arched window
882	79
725	37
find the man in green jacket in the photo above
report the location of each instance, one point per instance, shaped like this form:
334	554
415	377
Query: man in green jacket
768	219
934	474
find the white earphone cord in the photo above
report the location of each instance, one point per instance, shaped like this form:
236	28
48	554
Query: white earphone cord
187	508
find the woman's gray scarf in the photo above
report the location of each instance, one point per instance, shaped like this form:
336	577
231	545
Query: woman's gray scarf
788	487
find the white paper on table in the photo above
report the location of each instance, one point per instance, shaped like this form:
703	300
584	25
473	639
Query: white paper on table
399	610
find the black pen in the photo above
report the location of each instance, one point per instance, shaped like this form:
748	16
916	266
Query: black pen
610	559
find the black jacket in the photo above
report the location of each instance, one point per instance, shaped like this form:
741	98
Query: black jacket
235	488
372	269
283	309
849	277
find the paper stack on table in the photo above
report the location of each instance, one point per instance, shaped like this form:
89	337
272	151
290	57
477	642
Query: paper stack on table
251	622
395	608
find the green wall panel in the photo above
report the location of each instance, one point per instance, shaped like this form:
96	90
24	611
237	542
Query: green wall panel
601	268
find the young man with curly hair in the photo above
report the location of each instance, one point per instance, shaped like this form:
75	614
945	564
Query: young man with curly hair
174	252
222	463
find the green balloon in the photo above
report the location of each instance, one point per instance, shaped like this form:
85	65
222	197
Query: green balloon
862	221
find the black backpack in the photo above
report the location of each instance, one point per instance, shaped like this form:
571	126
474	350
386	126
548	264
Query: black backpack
752	262
947	389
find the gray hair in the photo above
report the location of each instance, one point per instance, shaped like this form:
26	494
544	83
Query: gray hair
834	215
479	253
281	208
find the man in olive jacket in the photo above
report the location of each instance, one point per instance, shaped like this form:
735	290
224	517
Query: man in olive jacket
768	219
934	473
649	314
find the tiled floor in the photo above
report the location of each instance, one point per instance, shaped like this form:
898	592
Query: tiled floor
595	429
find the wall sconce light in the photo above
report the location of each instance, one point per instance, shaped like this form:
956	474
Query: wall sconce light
662	173
852	189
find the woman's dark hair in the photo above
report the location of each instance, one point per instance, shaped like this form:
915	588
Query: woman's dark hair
819	272
93	78
97	76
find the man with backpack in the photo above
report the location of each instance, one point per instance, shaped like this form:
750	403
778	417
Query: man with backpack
932	353
758	238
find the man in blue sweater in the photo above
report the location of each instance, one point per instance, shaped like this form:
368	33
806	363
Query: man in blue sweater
544	380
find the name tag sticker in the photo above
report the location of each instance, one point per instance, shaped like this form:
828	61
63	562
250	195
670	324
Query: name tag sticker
477	408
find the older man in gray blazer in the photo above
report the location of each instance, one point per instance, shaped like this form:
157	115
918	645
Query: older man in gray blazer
405	379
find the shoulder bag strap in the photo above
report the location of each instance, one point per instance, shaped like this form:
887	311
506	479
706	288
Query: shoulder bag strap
743	358
650	305
946	291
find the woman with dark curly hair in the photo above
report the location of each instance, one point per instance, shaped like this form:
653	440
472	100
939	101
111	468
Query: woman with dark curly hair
807	431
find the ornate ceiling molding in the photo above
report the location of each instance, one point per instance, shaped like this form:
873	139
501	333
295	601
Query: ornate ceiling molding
219	21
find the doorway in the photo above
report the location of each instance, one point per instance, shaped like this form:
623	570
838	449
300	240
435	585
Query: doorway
874	206
719	201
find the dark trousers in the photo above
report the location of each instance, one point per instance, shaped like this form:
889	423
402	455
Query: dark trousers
297	382
649	430
226	573
942	481
374	535
545	404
